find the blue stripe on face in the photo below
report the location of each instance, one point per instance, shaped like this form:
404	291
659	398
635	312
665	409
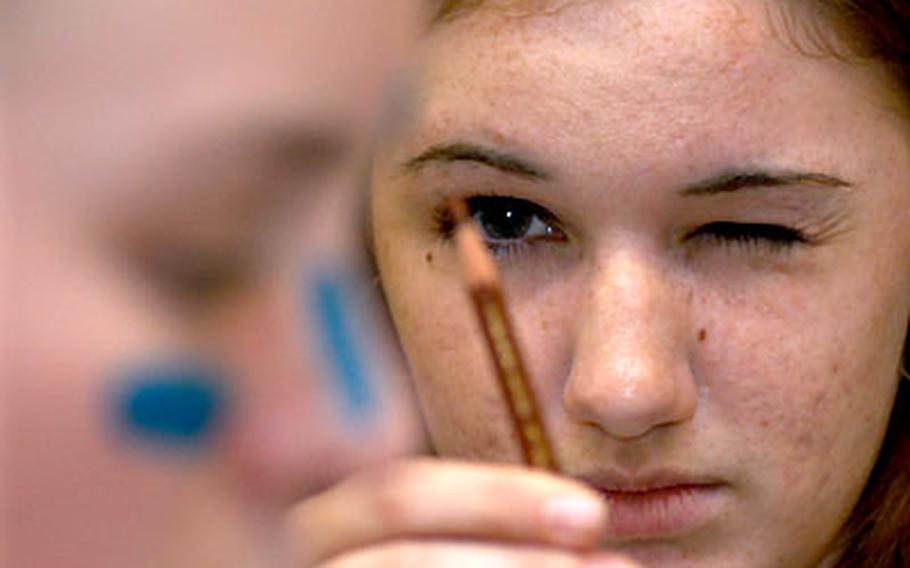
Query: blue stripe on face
175	404
329	303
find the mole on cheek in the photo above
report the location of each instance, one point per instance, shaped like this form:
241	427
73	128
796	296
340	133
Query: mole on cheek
702	335
429	258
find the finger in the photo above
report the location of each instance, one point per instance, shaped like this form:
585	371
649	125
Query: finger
441	554
609	560
433	498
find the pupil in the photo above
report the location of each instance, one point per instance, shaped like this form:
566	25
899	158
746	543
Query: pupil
503	220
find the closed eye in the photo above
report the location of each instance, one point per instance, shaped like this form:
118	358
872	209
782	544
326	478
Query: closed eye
763	237
196	277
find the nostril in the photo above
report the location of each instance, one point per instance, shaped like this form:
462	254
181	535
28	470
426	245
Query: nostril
628	405
279	464
283	450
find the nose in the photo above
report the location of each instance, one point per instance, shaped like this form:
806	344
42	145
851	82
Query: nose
631	371
288	436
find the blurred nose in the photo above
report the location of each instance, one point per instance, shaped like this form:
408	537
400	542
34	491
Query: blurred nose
289	435
631	371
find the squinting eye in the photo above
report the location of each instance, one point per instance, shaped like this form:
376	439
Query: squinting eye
770	237
508	221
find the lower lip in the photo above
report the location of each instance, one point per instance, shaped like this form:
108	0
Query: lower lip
663	512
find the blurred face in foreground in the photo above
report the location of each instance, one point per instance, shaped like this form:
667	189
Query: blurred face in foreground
190	348
703	233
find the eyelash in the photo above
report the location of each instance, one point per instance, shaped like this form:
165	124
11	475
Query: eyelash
751	237
755	238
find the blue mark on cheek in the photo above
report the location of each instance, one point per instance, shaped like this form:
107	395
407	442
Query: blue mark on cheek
175	404
329	302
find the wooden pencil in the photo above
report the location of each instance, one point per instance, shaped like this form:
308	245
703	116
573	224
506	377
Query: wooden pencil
483	285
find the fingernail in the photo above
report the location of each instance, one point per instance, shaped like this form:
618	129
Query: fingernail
174	404
574	520
341	341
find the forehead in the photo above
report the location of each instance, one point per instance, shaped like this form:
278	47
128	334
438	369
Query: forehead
162	45
586	78
122	79
605	50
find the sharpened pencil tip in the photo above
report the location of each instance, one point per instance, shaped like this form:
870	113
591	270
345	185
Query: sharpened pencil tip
477	264
458	209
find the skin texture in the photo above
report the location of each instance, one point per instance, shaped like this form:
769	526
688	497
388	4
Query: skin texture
654	343
208	130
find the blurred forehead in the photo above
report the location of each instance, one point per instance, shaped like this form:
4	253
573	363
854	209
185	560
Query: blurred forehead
106	78
162	44
164	33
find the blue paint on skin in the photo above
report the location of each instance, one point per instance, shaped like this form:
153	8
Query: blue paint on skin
176	404
330	305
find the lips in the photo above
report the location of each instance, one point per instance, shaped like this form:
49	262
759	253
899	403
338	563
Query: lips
659	505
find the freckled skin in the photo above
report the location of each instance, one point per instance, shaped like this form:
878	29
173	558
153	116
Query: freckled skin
624	104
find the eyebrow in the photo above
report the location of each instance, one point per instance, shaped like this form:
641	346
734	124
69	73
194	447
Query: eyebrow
289	145
733	181
465	152
262	154
726	182
252	164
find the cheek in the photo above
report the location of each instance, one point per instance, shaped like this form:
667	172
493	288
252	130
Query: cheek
450	367
71	460
799	401
547	319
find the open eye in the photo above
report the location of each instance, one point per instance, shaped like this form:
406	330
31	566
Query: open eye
507	222
763	237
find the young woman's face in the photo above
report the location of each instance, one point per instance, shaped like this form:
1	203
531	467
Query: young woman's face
703	236
184	222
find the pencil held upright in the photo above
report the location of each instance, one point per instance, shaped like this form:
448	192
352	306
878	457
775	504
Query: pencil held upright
482	281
